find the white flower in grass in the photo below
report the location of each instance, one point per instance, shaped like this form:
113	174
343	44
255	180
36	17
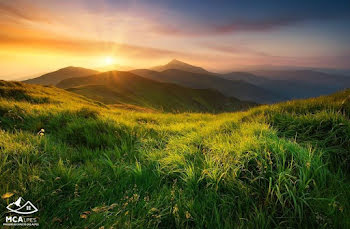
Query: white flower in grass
41	132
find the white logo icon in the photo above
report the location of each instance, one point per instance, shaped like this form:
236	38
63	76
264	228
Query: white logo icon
25	209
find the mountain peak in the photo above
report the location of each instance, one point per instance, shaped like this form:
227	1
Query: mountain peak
179	65
69	67
175	61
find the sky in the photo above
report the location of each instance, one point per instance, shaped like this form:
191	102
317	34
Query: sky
44	35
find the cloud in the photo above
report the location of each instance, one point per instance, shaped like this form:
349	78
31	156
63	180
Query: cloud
48	42
25	11
222	29
241	55
240	24
232	50
142	32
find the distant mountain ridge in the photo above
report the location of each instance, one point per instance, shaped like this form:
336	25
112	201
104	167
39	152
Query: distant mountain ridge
307	76
116	87
261	86
239	89
55	77
301	83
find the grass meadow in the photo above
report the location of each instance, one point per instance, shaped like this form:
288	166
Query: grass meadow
88	165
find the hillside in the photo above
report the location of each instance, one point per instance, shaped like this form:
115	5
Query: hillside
53	78
234	88
92	166
179	65
126	88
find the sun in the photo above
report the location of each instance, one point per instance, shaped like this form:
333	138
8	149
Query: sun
108	60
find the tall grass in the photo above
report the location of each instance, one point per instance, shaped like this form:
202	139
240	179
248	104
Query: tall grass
280	166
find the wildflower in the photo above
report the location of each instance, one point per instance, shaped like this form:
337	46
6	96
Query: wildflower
41	132
83	216
188	215
127	212
7	195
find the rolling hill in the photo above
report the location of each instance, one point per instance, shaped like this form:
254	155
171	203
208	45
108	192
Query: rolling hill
116	87
55	77
238	88
276	166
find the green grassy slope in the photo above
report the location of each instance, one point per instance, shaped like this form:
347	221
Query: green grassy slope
283	166
126	88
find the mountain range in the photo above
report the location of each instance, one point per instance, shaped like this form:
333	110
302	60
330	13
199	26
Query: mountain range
258	86
233	88
117	87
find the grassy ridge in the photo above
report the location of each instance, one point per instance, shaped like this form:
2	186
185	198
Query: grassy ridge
272	166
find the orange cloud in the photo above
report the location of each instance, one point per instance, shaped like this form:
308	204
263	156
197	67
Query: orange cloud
65	45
